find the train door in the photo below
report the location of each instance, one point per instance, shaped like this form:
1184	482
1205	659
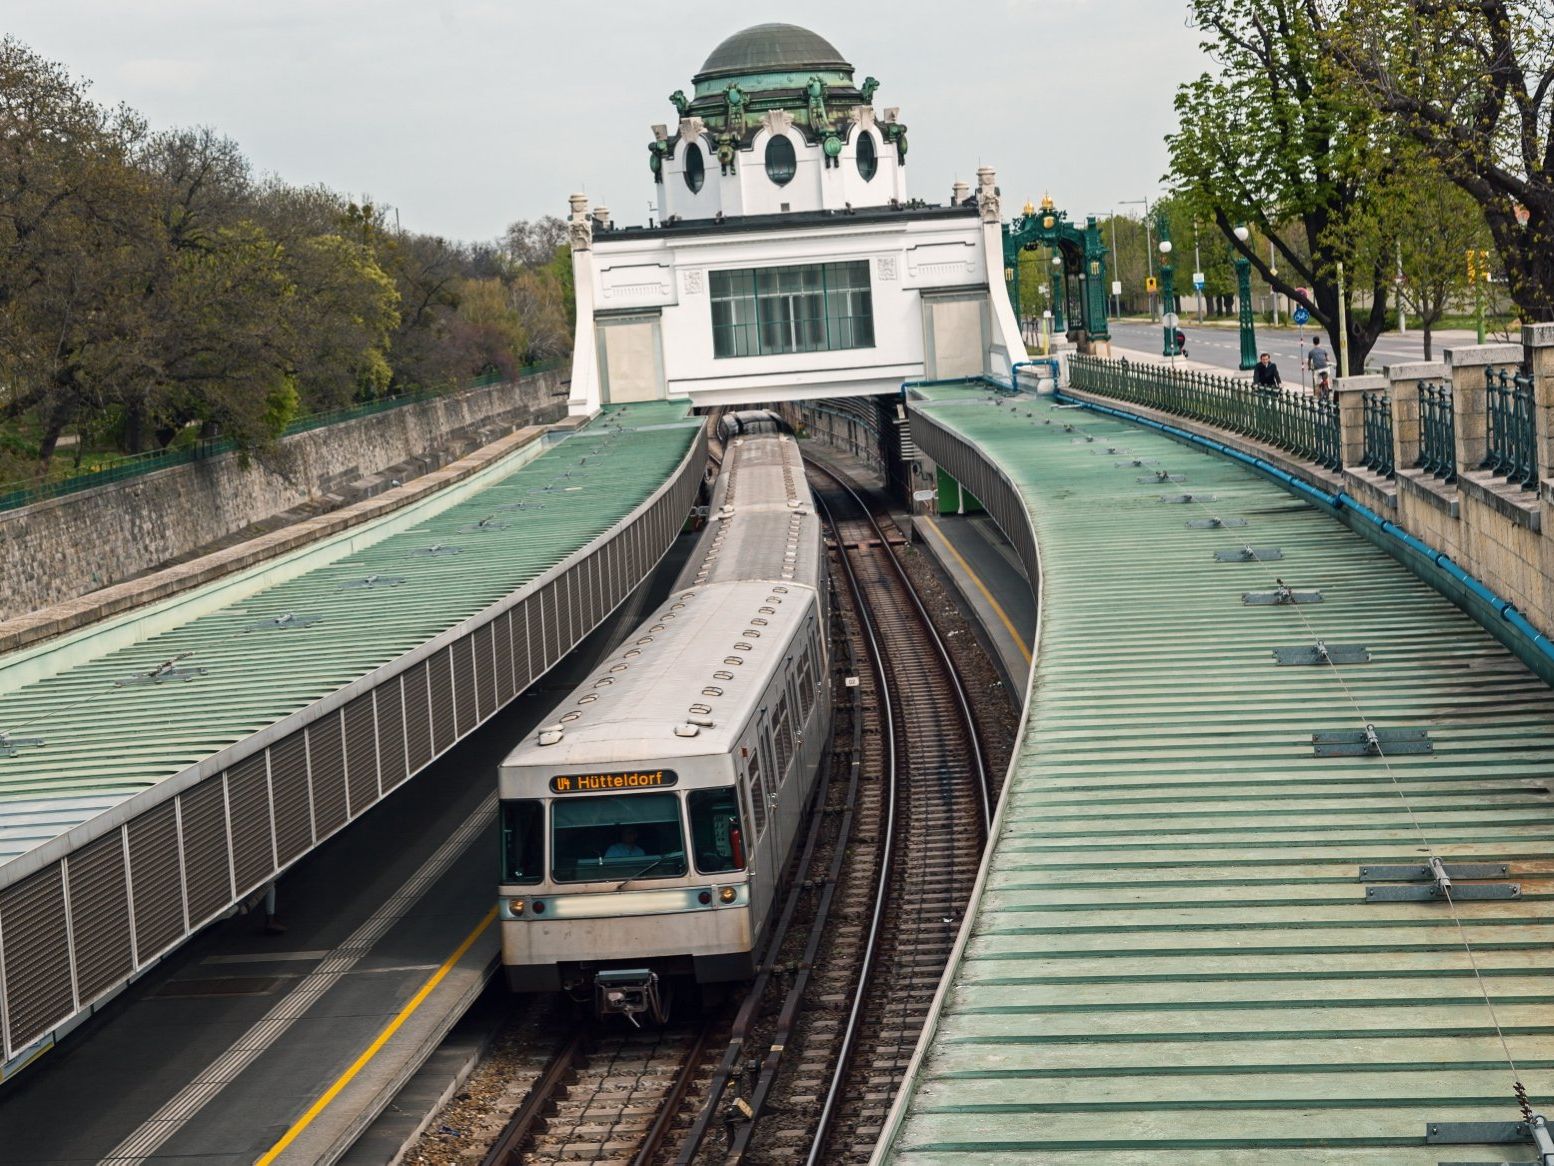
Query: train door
762	835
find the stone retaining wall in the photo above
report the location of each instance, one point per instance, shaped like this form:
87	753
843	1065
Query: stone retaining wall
63	548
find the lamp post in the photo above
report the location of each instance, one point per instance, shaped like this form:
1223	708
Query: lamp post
1167	289
1244	300
1059	299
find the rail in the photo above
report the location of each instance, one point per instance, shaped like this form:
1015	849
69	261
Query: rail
1437	431
1376	409
14	495
1297	422
1511	432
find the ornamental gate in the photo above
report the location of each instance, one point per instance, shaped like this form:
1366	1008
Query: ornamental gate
1078	274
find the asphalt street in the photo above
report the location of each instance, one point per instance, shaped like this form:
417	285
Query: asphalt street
1221	347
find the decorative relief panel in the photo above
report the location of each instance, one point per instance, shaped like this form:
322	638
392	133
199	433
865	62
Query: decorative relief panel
648	283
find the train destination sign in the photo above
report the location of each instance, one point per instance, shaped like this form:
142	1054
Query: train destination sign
598	783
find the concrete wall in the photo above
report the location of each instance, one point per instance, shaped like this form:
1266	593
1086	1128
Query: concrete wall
65	547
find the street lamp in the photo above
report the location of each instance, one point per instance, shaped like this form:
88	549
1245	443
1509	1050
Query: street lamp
1244	298
1167	289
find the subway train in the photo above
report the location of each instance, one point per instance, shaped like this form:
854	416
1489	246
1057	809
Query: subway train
646	824
749	423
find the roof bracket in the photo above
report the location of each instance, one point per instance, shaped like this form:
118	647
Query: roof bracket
1323	653
1161	476
289	620
1214	523
1284	594
1434	880
436	550
166	670
1370	742
10	746
1534	1130
1249	554
1188	499
369	582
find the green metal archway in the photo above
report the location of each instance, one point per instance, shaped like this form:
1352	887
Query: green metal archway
1078	284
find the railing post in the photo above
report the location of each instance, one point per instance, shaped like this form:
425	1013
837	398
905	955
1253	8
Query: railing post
1470	395
1538	339
1404	391
1350	394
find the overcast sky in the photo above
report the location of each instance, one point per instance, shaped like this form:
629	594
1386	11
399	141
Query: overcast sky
467	114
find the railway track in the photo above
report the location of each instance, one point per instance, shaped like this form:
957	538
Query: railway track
936	806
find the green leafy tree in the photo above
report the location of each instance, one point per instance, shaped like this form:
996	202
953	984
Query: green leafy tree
1472	83
1274	139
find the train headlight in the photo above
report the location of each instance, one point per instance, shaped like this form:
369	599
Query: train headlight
727	894
515	907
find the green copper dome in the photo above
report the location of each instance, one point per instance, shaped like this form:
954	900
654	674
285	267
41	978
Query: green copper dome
772	48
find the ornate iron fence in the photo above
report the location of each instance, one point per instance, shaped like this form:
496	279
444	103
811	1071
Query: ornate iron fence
1286	419
16	495
1376	409
1512	433
1437	431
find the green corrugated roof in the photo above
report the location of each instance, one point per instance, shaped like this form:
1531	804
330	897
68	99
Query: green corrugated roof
102	744
1173	959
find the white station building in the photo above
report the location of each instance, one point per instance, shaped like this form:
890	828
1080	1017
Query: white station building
788	261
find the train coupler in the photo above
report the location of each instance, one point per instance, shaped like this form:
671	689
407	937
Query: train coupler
630	992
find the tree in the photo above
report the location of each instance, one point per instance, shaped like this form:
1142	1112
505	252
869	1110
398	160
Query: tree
1274	140
1472	82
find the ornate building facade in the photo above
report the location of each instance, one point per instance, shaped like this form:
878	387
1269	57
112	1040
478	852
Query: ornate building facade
788	261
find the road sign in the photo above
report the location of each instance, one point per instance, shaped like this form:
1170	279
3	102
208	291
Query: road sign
1197	280
924	495
1116	287
1151	284
1300	315
1171	320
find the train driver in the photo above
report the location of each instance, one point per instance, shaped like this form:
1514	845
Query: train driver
627	846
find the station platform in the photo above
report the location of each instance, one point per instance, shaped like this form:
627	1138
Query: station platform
1196	938
991	584
165	764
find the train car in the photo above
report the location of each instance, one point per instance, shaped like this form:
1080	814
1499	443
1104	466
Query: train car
749	423
647	824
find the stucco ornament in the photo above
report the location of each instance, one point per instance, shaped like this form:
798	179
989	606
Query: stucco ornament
679	101
870	84
737	101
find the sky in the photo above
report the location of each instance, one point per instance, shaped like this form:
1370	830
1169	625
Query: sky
465	115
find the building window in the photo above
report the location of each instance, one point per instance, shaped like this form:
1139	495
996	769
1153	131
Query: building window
695	168
868	160
781	162
811	308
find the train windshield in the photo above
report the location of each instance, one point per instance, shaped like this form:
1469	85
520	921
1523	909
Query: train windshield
619	836
716	836
523	842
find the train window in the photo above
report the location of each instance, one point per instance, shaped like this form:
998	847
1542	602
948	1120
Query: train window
806	685
619	836
784	734
757	794
523	842
716	837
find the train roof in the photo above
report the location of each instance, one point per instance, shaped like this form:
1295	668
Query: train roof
762	515
683	684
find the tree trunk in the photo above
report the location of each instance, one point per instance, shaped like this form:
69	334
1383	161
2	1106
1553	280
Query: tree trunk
1428	343
134	427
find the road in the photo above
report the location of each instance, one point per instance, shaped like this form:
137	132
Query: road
1221	347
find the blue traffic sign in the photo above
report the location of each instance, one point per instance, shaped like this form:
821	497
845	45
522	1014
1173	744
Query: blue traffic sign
1301	316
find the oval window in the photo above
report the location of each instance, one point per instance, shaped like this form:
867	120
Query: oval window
868	160
695	167
781	162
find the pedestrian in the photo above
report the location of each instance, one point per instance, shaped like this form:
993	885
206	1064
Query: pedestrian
1265	375
1317	358
1181	342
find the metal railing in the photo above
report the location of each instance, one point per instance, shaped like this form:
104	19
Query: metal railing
1511	431
1437	431
16	495
1376	411
1286	419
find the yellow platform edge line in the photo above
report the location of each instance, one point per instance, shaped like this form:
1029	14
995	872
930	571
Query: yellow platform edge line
998	609
379	1041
